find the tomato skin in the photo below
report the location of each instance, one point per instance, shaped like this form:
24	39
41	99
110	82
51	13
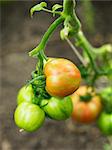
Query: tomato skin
25	94
29	117
62	77
105	123
85	112
58	108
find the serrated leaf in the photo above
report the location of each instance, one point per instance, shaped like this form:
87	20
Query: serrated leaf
37	7
56	6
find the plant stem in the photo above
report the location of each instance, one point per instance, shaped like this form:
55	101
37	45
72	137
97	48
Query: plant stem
67	7
76	52
85	45
50	11
46	36
36	78
103	49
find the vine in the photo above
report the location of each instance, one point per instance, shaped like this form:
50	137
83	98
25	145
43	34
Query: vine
72	28
89	68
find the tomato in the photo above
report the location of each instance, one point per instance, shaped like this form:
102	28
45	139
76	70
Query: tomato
58	108
106	94
25	94
105	123
62	77
85	111
29	116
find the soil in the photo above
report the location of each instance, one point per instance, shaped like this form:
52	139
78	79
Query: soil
19	35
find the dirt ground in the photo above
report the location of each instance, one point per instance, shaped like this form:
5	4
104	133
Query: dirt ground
19	34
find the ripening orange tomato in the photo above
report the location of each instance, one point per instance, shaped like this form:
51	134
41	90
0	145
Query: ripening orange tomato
88	109
62	77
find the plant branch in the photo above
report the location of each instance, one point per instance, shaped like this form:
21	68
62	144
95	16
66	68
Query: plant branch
103	49
50	11
85	45
67	7
46	36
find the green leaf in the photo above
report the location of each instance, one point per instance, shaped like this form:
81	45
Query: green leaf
56	6
38	7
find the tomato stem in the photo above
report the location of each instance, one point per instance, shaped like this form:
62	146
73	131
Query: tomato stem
49	11
83	43
68	7
46	36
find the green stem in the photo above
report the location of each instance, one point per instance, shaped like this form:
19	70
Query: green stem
69	12
67	7
36	78
103	49
50	11
44	56
46	36
85	45
40	64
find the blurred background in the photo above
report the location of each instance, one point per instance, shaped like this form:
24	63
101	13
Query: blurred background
20	34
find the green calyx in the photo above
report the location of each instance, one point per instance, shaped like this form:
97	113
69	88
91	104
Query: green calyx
38	80
86	98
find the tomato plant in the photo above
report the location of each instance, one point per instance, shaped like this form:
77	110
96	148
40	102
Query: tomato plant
86	105
58	108
54	81
62	77
29	116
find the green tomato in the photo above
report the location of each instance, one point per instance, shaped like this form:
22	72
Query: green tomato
25	94
105	123
29	116
107	93
58	108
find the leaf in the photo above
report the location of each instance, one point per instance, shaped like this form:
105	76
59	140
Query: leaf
56	6
38	7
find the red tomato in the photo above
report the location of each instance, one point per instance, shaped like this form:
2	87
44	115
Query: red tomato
62	77
85	111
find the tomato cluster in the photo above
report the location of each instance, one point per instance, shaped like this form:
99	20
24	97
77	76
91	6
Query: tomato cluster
54	92
47	96
89	106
